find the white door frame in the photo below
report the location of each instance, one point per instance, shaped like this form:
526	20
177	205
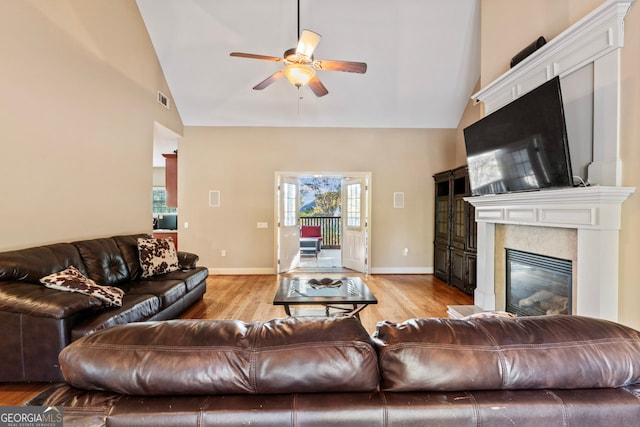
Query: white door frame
300	174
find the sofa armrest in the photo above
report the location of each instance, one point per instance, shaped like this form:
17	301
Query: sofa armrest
187	260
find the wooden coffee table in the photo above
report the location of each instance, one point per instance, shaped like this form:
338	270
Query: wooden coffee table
342	296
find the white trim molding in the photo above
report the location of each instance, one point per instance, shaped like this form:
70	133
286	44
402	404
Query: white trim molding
241	271
401	270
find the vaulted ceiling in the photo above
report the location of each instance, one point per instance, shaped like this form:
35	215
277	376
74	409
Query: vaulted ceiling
423	60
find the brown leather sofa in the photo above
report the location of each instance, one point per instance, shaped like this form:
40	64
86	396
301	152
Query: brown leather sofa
38	322
533	371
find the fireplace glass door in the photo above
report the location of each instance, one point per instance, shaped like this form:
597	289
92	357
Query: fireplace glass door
537	284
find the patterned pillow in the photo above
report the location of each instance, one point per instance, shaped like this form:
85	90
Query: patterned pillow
157	256
72	280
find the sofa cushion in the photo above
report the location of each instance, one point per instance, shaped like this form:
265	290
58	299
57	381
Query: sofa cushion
135	308
191	278
29	265
104	261
128	245
157	256
168	291
71	280
225	357
561	352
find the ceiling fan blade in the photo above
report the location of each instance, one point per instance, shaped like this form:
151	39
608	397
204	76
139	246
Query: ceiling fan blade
317	87
348	66
253	56
307	43
266	82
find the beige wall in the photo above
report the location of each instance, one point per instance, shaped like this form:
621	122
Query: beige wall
472	113
508	26
241	164
159	177
78	84
630	155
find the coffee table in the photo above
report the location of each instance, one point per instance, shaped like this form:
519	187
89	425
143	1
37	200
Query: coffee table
348	296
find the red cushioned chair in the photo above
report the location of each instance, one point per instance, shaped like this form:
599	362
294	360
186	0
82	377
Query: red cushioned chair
310	239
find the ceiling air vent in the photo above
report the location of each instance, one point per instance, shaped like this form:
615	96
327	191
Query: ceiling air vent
163	99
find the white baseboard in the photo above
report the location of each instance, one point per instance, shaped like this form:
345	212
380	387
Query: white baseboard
401	270
241	271
374	270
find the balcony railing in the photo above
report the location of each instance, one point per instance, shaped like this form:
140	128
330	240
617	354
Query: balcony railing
329	227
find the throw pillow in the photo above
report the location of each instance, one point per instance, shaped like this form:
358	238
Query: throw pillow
72	280
157	256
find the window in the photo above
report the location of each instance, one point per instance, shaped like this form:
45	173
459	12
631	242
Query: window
289	206
160	202
353	205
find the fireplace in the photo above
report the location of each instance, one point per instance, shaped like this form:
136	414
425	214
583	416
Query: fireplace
586	56
537	284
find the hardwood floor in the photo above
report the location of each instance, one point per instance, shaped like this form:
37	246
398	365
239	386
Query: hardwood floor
249	298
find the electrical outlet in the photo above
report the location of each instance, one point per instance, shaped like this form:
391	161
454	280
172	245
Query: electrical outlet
405	252
223	252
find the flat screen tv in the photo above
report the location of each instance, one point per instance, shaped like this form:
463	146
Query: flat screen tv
522	146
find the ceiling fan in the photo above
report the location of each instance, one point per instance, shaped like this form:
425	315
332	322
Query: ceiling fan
300	66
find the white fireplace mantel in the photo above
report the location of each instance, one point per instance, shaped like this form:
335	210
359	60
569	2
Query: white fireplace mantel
593	211
593	208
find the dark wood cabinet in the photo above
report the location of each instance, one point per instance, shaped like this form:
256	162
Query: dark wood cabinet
454	259
171	178
165	234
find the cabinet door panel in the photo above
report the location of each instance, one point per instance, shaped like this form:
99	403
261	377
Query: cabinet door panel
441	262
442	219
458	225
471	262
457	272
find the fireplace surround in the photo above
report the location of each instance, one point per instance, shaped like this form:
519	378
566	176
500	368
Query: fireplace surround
591	213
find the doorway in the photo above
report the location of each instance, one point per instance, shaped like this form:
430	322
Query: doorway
336	203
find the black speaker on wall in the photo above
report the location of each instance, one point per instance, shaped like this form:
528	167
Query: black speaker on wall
537	44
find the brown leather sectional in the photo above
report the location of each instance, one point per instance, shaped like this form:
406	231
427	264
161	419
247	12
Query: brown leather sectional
38	322
531	371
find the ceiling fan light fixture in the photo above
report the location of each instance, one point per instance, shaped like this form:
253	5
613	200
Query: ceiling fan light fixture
307	43
299	74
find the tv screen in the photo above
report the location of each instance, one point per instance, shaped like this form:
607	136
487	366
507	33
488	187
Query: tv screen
522	146
165	222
